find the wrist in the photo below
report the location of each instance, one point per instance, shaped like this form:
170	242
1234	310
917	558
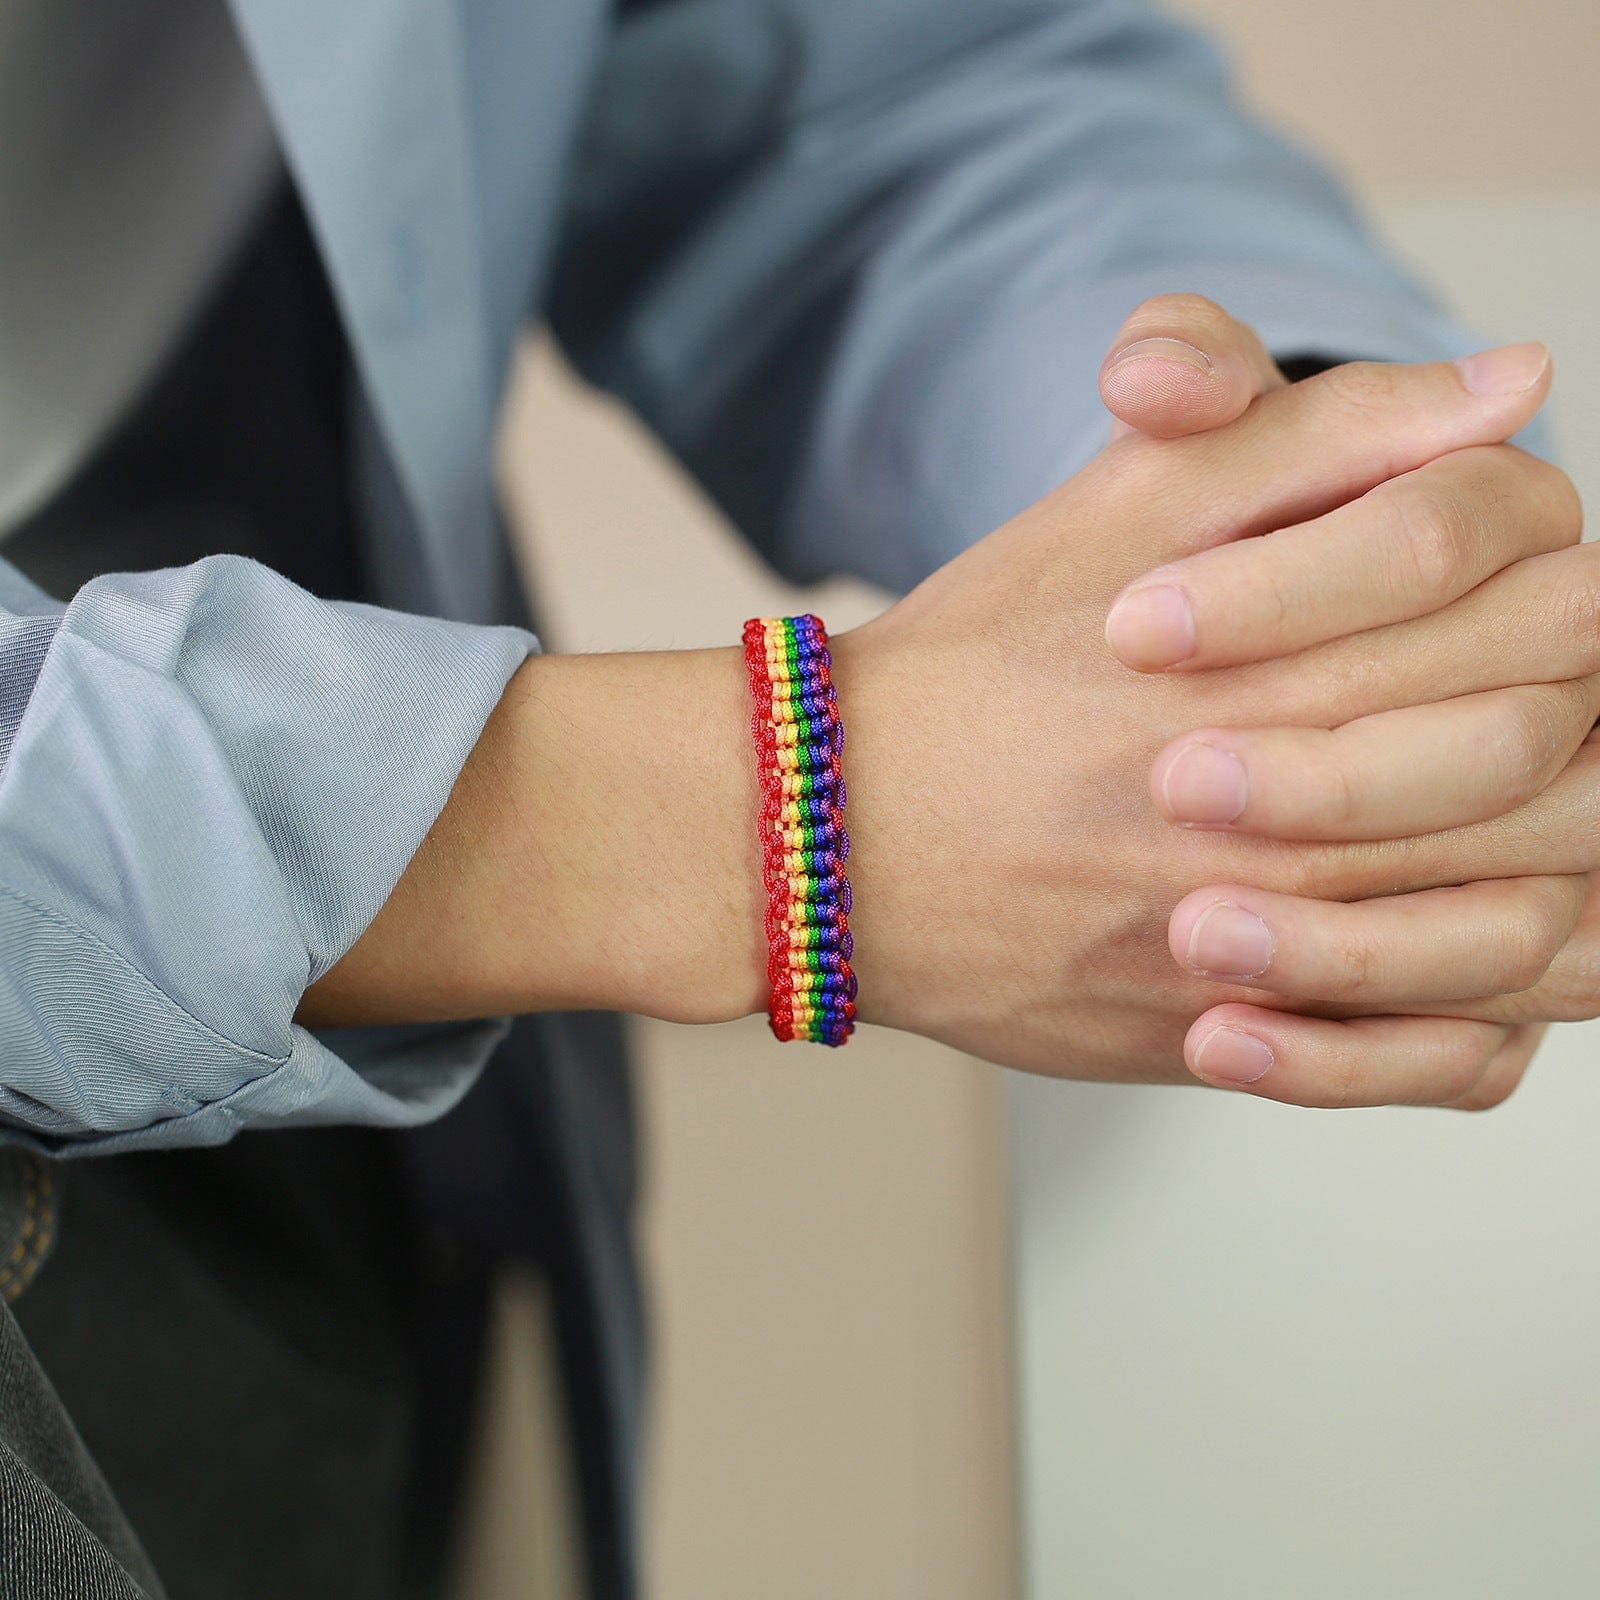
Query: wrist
642	795
881	714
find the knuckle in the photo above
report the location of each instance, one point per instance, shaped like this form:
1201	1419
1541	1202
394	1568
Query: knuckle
1440	536
1461	1082
1543	835
1570	991
1272	602
1559	504
1571	1000
1362	968
1341	1082
1535	728
1578	998
1580	609
1366	389
1533	941
1524	962
1338	803
1569	502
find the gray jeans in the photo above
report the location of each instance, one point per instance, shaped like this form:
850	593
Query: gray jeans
61	1531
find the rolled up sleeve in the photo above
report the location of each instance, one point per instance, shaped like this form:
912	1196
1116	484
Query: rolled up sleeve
211	783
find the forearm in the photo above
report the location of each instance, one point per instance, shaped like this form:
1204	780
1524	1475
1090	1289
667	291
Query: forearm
597	851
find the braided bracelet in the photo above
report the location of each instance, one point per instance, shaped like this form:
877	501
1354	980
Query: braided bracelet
799	741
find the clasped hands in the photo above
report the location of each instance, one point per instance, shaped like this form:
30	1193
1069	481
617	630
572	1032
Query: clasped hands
1259	752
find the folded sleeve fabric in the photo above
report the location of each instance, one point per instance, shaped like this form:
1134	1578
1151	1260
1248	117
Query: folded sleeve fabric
858	263
211	783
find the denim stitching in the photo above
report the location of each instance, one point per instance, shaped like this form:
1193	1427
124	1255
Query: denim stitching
38	1231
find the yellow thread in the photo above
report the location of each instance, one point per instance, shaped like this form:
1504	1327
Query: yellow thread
37	1231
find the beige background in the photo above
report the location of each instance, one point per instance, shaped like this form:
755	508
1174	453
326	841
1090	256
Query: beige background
1431	94
1258	1353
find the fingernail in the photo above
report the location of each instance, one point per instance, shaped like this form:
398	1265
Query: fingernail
1230	942
1152	628
1160	350
1205	784
1226	1055
1507	370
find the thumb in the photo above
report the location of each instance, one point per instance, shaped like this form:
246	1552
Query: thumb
1179	365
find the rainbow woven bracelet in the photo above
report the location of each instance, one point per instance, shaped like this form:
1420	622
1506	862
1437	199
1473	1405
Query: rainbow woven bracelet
799	743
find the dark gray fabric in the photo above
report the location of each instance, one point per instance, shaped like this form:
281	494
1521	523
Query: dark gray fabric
61	1531
538	1164
48	1549
235	1335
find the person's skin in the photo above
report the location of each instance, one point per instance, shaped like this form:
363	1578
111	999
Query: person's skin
1014	884
1181	365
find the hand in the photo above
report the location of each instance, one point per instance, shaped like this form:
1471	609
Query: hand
1181	365
1018	906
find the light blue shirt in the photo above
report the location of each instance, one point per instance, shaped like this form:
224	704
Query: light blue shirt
856	261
